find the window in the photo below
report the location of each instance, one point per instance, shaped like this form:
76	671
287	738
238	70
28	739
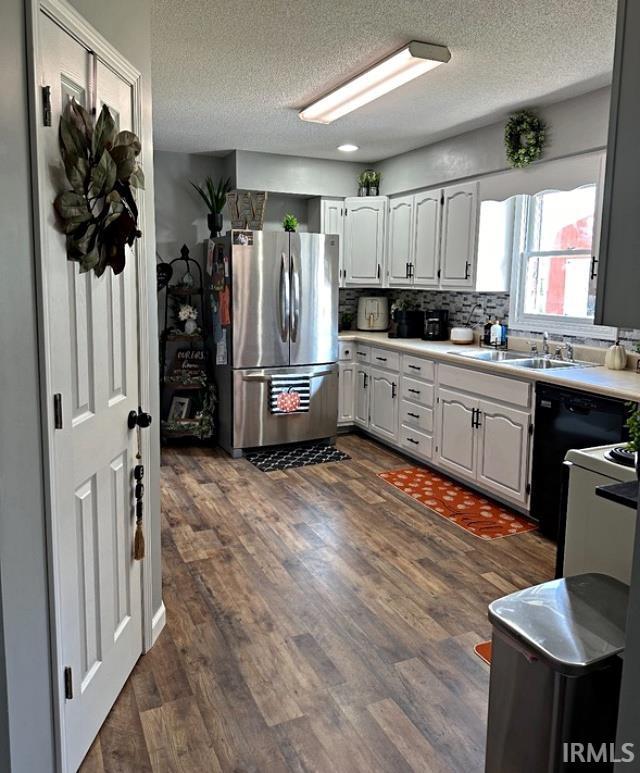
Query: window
554	281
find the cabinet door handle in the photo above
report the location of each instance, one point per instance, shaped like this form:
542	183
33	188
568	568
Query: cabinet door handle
414	367
382	359
473	418
393	389
366	380
414	391
361	354
415	442
410	270
413	415
467	266
378	272
594	267
478	424
407	273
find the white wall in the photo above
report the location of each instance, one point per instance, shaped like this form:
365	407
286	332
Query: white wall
575	125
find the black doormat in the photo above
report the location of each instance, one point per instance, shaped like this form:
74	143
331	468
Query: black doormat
294	456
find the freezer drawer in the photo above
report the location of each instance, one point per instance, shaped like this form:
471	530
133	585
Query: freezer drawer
254	425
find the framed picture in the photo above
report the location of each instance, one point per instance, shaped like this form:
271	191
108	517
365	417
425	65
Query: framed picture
180	407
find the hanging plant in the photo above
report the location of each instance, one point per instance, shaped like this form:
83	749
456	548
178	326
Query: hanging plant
99	214
524	138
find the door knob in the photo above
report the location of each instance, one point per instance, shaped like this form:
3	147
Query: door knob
139	419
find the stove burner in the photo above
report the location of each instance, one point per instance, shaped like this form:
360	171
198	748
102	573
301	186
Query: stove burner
622	455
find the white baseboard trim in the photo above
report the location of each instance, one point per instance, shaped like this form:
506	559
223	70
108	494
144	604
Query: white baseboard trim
158	623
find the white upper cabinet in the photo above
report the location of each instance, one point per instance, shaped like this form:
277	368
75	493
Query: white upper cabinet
326	216
364	240
427	218
400	251
459	236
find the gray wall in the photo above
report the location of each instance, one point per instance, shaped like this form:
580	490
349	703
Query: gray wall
26	739
575	126
296	175
23	566
181	216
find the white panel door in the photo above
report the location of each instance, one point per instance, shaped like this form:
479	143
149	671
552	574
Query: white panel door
383	410
346	392
459	235
399	253
457	436
332	222
427	220
503	449
361	396
93	349
364	234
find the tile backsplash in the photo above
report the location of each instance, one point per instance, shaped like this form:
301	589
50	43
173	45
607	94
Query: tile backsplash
460	306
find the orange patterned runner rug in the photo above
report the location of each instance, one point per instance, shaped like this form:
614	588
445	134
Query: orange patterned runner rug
483	651
476	514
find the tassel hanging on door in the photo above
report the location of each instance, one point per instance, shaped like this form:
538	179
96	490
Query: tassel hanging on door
138	542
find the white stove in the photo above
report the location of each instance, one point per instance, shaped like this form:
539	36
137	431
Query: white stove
599	534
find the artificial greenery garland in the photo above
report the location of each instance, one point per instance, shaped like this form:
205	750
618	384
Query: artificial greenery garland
99	215
524	137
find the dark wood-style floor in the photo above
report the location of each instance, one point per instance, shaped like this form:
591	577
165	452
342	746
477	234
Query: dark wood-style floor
317	620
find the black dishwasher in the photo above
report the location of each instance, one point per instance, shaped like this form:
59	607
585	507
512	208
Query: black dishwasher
566	419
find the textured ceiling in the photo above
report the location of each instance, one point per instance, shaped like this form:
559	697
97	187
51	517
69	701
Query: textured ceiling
231	75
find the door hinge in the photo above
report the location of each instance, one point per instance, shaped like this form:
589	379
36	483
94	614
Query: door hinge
68	683
46	105
57	411
527	488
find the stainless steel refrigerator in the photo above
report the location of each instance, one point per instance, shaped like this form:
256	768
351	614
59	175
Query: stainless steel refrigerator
282	336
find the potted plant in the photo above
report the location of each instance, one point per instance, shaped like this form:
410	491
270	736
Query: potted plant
215	197
290	223
363	182
346	320
407	320
633	425
374	183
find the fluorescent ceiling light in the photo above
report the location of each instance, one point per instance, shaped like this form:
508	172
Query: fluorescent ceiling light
397	69
347	148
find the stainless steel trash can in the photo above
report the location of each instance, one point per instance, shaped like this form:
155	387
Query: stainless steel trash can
555	675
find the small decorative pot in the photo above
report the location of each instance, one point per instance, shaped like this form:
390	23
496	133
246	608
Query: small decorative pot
616	357
214	221
362	190
190	326
373	190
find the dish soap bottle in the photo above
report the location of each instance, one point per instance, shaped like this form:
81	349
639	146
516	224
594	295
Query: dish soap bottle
496	334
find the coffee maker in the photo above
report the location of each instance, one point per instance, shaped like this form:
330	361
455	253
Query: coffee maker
436	325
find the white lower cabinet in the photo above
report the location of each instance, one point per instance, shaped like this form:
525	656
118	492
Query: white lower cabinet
472	424
361	396
383	408
457	436
503	450
346	393
485	442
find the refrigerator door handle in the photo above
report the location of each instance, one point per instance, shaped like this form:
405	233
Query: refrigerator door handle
284	299
295	291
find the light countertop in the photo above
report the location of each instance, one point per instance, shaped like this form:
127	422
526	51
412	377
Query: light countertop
623	384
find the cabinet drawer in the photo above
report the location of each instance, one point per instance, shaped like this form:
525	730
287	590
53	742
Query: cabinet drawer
416	416
417	391
416	442
501	388
361	353
417	368
346	350
383	358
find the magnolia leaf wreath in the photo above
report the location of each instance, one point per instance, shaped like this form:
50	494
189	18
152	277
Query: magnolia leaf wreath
99	215
524	137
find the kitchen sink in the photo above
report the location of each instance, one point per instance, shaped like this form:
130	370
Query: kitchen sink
492	355
541	363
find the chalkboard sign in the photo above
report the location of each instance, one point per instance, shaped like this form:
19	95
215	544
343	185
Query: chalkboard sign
188	365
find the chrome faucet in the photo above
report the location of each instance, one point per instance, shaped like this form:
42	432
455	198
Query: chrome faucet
568	351
545	344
